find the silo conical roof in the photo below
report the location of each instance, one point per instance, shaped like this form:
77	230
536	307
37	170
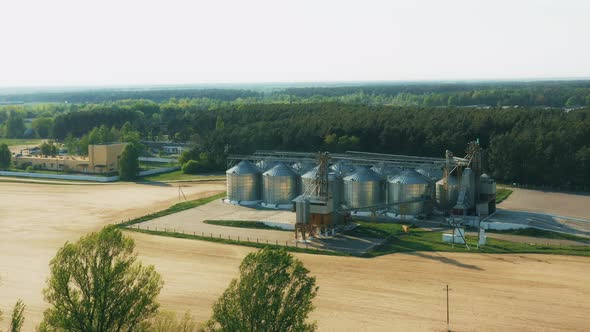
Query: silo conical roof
266	164
385	170
280	169
302	167
311	174
431	173
410	176
342	168
363	174
243	167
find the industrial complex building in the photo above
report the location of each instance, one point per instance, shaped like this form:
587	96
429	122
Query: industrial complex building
102	158
324	189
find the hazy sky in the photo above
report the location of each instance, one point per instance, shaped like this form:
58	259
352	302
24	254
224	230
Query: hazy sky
101	42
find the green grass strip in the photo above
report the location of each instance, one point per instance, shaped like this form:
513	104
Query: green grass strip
502	194
540	233
422	240
173	209
178	175
245	224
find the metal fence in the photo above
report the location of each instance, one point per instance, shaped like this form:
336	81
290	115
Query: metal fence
237	239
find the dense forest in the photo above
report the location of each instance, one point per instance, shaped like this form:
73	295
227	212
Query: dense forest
103	95
568	94
537	145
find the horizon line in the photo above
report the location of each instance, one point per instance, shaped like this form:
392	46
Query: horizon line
80	87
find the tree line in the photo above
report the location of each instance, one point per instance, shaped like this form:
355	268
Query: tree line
528	145
106	95
538	93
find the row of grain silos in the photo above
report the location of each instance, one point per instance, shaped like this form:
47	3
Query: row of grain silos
276	184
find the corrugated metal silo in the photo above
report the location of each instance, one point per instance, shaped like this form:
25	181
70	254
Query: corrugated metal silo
302	167
243	182
407	186
279	185
334	185
385	172
447	198
362	188
468	181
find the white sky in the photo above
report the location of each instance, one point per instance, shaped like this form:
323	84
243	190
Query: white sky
102	42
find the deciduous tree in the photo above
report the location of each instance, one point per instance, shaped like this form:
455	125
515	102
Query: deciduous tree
97	284
5	156
128	163
274	293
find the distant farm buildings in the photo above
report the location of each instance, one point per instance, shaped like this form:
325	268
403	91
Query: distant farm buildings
101	159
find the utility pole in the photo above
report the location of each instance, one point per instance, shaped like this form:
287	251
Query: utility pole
448	324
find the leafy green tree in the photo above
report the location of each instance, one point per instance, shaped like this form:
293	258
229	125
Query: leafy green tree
94	137
331	140
97	284
129	163
48	149
83	145
14	126
219	123
71	144
191	167
42	126
127	134
5	156
274	293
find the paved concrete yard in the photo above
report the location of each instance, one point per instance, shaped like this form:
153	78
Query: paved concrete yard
191	221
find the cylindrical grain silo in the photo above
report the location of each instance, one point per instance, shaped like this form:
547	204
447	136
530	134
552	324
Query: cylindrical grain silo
362	189
243	182
468	181
447	191
302	167
407	186
385	172
279	185
334	185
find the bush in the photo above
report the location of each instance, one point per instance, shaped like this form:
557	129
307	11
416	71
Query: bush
29	169
24	166
192	167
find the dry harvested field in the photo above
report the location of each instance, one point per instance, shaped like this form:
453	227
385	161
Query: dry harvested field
37	219
394	292
559	204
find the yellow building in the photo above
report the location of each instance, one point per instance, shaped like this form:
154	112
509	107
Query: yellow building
102	158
